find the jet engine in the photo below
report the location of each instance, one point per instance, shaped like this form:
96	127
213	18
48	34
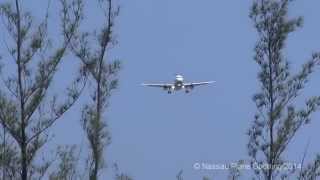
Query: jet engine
188	88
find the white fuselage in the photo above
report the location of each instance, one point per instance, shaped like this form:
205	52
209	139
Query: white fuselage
178	83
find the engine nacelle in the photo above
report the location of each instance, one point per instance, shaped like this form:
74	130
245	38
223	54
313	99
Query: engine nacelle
188	88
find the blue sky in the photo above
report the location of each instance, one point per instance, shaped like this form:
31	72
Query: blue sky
154	134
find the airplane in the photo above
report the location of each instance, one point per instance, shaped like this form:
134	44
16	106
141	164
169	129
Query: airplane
178	84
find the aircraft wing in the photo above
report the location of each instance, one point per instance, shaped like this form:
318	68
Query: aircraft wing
197	84
165	86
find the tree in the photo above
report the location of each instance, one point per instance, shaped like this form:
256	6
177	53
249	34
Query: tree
27	111
277	119
312	171
8	158
119	175
67	168
103	75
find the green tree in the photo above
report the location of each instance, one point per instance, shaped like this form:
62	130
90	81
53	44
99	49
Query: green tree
92	50
8	157
119	175
67	167
27	111
312	171
278	119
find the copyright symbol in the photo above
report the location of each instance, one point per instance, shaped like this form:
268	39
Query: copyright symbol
196	166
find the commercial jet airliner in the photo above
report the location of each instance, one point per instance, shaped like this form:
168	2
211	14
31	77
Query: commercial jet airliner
178	84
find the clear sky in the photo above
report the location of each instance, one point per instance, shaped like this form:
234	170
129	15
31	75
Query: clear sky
154	135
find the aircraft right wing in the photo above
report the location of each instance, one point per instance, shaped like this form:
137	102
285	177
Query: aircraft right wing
164	86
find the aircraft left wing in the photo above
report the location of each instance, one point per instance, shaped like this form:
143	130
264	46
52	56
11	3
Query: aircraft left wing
164	86
197	83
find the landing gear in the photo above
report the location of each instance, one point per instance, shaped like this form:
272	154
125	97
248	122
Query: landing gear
171	89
